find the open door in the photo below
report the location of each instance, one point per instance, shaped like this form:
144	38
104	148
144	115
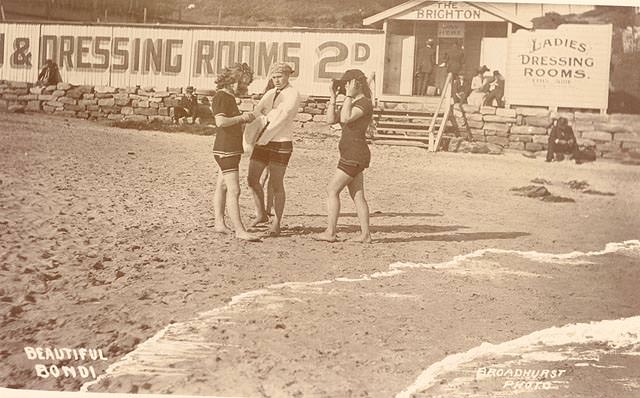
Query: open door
398	68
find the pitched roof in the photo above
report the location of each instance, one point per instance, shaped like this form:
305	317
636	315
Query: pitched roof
487	7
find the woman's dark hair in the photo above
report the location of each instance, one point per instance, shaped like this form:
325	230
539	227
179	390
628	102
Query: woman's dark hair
364	85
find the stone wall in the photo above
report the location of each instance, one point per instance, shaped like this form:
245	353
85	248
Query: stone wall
523	129
527	129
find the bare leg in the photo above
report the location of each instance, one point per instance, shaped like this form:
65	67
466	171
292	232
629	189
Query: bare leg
356	190
232	181
276	181
219	199
266	182
256	168
339	180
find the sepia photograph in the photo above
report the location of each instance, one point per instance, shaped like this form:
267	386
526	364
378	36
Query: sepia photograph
327	199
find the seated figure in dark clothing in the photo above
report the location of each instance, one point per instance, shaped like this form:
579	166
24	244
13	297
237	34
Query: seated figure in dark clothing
49	74
188	107
562	141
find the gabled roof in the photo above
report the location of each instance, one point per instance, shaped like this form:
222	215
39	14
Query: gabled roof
488	7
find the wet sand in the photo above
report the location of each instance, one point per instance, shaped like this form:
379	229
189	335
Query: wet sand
107	238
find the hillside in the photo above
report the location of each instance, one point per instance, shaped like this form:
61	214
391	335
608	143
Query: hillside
308	13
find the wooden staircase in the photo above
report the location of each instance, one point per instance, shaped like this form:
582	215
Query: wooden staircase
406	125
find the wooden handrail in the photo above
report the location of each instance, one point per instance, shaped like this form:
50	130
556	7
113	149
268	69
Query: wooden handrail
445	97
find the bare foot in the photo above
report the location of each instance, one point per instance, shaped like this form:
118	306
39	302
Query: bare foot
274	231
258	221
325	237
247	236
222	229
365	238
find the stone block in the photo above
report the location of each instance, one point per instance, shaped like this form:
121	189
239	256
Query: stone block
127	110
303	117
83	115
475	124
36	90
88	96
45	97
598	136
34	106
627	137
105	90
540	139
58	93
502	141
478	117
313	111
13	84
498	119
583	126
67	100
75	93
55	104
64	113
521	138
487	110
498	127
107	102
608	147
136	118
110	109
48	109
528	130
28	97
128	90
611	127
16	108
320	118
511	113
86	102
469	108
518	146
161	94
115	116
145	111
163	111
140	103
160	118
630	145
93	108
10	97
64	86
170	102
538	121
154	105
74	107
533	147
50	89
103	95
583	142
591	117
532	111
155	100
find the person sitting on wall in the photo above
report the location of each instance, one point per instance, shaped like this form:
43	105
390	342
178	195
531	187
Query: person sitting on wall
496	90
459	90
479	87
562	142
188	107
49	74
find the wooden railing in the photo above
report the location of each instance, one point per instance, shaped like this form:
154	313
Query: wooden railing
445	101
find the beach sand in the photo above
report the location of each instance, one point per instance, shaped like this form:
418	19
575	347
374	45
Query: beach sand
107	237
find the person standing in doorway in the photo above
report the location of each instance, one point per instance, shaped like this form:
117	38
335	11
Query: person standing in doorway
455	59
274	145
426	68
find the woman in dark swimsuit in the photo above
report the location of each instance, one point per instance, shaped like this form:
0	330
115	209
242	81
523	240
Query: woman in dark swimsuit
354	117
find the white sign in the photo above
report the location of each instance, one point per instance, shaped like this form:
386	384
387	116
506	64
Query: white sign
161	57
448	11
564	67
450	30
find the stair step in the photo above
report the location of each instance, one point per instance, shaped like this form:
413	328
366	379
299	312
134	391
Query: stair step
402	143
405	129
401	137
